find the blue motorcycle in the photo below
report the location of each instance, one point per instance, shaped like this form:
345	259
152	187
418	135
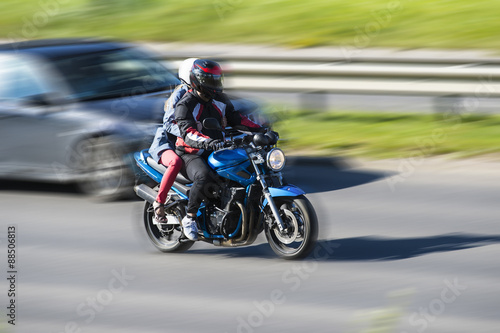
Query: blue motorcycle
252	197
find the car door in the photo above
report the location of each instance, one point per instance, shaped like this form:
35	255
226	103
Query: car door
33	129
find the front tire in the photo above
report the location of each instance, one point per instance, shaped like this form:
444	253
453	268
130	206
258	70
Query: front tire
165	240
300	219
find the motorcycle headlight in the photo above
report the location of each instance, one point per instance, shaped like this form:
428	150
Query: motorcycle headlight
275	159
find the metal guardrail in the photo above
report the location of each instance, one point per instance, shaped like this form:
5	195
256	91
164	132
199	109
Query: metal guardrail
410	76
444	57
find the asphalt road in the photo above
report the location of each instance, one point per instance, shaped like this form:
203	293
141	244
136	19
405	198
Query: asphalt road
403	249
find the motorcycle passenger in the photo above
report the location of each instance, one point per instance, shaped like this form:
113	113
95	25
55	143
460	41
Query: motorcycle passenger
162	149
195	143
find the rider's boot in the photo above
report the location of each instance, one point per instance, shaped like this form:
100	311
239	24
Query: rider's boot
189	228
160	219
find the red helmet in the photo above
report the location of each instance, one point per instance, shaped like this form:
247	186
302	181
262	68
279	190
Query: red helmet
206	77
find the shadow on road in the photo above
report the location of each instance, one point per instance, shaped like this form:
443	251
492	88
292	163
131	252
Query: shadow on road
368	248
25	186
59	188
380	248
324	178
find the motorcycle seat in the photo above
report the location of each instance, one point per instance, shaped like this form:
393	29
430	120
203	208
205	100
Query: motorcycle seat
180	178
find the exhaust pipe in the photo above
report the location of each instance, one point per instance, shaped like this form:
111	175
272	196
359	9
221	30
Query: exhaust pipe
145	192
246	230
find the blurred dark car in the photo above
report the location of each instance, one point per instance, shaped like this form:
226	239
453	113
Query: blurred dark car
71	110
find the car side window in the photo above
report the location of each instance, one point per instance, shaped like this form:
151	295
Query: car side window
114	73
19	78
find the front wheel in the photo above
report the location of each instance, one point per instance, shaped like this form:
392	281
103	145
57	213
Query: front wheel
301	224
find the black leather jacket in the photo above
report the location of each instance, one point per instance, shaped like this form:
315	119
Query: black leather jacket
190	112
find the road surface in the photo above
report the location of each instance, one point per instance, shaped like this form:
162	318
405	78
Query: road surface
402	249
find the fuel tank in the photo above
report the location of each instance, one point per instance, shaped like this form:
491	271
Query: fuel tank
227	158
232	164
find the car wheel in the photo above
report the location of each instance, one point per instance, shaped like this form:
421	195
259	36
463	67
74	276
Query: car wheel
105	173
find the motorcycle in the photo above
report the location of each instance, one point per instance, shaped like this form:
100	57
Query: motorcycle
252	196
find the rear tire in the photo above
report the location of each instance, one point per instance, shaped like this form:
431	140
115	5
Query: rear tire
165	241
299	217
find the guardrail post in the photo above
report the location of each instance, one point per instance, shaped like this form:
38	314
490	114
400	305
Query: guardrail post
445	106
314	100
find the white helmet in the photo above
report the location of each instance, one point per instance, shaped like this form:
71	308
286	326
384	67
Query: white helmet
185	70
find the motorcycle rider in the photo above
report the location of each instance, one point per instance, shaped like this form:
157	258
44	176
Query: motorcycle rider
162	149
195	142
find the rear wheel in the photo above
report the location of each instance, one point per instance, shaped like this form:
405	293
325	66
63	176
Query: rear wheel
301	225
167	239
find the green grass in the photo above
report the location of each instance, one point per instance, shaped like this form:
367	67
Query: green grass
389	135
460	24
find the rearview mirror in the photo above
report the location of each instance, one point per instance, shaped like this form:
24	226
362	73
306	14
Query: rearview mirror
44	100
37	100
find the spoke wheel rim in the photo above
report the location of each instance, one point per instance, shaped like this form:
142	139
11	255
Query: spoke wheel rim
290	221
168	239
293	217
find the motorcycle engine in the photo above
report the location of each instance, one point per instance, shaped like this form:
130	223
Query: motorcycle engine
225	221
215	220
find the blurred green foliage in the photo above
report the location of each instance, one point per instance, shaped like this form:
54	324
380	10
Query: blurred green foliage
457	24
389	135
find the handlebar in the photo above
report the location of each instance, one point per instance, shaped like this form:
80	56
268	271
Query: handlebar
253	140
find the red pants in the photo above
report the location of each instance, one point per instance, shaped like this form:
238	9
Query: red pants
174	164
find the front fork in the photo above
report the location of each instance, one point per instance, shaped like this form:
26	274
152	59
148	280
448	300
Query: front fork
269	198
275	211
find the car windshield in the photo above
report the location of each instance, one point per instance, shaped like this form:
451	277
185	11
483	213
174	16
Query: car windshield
123	72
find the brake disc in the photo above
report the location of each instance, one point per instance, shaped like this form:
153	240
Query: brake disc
291	222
